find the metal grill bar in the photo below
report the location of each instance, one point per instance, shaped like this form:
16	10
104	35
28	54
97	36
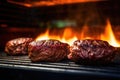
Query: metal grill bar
23	62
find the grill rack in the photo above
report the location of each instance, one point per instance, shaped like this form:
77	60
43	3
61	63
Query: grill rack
24	63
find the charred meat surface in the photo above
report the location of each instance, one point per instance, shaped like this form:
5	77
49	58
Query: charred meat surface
18	46
48	50
91	51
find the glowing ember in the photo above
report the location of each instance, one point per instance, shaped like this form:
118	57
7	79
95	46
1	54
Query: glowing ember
69	35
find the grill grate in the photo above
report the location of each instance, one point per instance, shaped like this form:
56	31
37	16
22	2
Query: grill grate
23	62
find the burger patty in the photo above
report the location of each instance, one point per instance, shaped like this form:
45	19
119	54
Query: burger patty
91	51
18	46
48	50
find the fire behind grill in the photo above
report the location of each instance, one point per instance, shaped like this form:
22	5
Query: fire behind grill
64	67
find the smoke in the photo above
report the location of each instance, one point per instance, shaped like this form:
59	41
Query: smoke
86	14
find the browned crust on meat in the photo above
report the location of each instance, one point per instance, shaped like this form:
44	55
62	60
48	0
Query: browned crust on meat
48	50
91	51
18	46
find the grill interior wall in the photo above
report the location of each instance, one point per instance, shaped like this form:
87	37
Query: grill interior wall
89	12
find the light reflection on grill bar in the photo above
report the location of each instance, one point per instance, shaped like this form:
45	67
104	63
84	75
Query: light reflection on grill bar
60	66
23	62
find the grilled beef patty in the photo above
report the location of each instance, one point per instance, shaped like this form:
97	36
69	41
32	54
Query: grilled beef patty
18	46
48	50
91	51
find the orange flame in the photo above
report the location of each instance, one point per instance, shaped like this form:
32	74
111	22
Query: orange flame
109	36
69	35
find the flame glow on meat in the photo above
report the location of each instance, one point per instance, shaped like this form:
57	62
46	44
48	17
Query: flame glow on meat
69	35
